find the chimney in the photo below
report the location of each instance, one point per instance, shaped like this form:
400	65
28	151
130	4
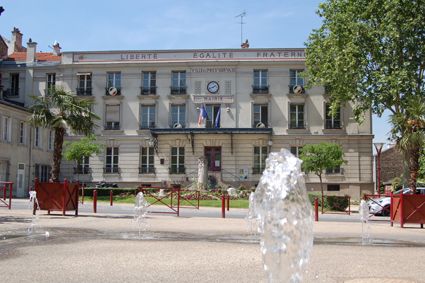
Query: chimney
16	40
31	51
56	48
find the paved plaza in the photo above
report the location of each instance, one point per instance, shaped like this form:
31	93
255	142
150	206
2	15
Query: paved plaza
199	246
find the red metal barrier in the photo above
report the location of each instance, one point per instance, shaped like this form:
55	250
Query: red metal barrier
187	197
408	208
316	209
94	201
4	186
111	197
223	206
154	192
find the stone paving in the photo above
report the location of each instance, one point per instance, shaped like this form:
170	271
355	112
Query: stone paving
106	248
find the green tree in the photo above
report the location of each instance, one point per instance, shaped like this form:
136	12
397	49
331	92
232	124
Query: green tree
60	110
422	166
373	54
78	150
319	157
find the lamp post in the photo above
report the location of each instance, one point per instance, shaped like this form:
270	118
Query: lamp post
378	147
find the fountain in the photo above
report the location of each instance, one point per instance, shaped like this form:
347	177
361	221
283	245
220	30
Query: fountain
140	211
284	214
34	219
251	217
364	218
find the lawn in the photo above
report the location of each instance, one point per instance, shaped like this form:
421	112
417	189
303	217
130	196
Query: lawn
237	203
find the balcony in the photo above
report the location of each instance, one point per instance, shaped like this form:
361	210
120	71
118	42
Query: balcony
82	170
256	89
112	126
111	170
110	92
260	124
178	90
84	91
177	169
150	90
147	170
11	92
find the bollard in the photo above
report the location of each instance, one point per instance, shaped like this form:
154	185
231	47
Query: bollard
228	202
111	197
94	201
316	209
223	206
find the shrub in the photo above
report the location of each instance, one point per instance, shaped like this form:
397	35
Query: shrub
337	203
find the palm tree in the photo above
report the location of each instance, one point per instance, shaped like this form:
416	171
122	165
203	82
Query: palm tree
409	133
59	111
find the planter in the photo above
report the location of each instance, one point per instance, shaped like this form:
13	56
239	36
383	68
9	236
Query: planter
407	209
57	196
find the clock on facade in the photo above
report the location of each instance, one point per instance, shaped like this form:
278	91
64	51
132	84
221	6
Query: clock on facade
213	87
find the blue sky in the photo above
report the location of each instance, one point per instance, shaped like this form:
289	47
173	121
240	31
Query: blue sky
165	24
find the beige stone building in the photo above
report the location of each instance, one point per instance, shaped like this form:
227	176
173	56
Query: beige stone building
163	109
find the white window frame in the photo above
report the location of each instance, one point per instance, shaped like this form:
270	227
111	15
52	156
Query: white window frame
38	141
299	80
181	111
7	129
112	164
261	74
22	133
115	76
297	122
147	153
262	159
151	116
180	151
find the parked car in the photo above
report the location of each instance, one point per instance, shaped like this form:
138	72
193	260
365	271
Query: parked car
104	184
381	206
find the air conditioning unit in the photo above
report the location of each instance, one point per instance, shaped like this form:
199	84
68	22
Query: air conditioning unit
298	89
260	125
112	91
177	125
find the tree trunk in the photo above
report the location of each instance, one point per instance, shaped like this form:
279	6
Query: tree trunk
414	155
321	189
57	153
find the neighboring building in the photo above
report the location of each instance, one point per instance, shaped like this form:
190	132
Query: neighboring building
392	164
150	104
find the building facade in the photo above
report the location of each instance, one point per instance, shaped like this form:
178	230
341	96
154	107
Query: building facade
162	110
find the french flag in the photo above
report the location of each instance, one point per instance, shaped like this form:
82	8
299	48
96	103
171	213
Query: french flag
203	115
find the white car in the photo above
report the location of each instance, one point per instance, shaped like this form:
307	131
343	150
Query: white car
381	206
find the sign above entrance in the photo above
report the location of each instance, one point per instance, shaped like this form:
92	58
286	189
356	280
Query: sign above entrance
226	99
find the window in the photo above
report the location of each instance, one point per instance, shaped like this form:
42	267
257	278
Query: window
7	128
113	80
177	160
22	133
333	188
331	121
296	150
296	116
336	170
83	166
178	115
51	82
178	82
111	160
37	137
261	115
260	155
260	81
147	116
42	172
14	85
149	83
51	140
112	117
84	84
295	78
147	160
213	119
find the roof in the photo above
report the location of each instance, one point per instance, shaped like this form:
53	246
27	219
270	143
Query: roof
14	104
40	57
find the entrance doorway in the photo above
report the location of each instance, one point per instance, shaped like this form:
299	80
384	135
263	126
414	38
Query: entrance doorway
21	180
213	158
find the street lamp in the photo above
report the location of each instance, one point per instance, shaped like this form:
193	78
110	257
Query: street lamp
378	147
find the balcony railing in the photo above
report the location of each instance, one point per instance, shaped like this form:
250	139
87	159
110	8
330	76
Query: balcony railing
177	170
260	124
147	170
147	90
112	126
84	91
178	89
291	89
111	170
11	92
109	91
260	89
299	125
332	124
82	170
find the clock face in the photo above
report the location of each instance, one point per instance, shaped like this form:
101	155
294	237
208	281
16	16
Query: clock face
213	87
